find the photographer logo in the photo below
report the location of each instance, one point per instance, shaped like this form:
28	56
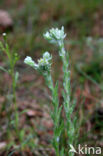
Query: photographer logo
85	150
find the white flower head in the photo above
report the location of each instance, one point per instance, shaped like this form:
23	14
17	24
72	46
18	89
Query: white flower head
43	63
28	60
47	56
4	34
55	35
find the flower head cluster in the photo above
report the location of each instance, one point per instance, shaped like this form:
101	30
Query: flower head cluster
55	35
43	64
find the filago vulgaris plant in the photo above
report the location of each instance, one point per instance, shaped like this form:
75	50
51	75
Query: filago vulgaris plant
43	66
12	58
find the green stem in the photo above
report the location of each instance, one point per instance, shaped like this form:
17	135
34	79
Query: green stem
9	54
14	98
55	114
66	85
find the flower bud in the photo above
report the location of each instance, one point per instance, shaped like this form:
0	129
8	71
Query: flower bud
55	35
28	60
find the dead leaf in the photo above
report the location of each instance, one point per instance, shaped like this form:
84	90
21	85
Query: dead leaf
5	20
34	113
2	145
47	123
2	99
